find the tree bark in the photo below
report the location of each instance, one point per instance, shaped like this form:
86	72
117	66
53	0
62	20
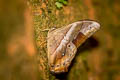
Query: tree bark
23	42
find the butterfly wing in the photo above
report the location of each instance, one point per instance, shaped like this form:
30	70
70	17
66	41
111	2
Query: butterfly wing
63	42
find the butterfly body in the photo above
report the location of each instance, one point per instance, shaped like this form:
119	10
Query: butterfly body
63	42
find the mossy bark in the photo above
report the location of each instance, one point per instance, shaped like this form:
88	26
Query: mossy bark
97	59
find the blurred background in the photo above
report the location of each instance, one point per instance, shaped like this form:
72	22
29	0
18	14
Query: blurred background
24	26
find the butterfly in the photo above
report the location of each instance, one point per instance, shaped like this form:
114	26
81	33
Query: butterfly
63	42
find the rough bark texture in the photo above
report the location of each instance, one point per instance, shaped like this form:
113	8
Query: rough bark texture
97	59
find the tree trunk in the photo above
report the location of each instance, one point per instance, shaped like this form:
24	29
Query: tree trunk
23	43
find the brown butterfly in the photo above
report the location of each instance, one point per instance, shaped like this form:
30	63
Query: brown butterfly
63	43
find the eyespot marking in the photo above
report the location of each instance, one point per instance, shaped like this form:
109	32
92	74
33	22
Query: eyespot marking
69	45
57	65
63	54
64	64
